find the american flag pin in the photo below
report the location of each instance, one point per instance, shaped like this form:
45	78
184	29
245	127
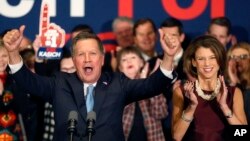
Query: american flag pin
105	83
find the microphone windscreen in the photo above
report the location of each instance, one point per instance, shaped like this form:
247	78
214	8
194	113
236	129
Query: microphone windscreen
91	115
73	115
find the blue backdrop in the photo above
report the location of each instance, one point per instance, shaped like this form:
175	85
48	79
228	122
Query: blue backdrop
195	14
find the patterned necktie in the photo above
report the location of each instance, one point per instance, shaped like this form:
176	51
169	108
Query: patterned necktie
90	98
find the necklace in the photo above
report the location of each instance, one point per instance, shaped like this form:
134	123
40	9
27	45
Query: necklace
208	96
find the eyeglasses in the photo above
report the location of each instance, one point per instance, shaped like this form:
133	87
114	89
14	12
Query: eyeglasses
240	57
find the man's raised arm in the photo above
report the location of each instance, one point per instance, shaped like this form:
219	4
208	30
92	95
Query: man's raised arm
12	40
169	45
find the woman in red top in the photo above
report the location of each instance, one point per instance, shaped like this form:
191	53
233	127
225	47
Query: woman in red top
202	109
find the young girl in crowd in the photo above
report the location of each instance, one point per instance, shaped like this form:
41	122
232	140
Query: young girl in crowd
204	108
142	119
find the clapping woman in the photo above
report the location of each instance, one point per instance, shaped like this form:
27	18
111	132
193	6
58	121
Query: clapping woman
204	108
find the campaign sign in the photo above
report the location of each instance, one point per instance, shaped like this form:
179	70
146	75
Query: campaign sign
50	53
52	36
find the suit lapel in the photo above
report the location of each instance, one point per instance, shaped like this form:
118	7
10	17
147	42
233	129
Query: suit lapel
100	93
78	93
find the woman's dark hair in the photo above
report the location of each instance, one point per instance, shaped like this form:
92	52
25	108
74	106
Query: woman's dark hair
127	50
205	41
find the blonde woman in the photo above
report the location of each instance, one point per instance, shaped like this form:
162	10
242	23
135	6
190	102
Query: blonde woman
239	71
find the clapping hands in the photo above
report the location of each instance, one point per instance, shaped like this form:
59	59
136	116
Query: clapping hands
222	96
189	93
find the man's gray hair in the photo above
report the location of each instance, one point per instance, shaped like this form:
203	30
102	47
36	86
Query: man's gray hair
121	19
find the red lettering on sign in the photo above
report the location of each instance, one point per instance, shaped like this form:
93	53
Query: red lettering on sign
125	8
194	10
191	12
217	8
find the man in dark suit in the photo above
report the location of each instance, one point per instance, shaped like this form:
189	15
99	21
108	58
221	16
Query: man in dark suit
112	91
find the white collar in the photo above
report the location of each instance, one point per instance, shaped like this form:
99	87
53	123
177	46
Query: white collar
146	57
177	57
85	85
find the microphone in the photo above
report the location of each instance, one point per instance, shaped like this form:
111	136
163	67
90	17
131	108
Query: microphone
91	118
72	121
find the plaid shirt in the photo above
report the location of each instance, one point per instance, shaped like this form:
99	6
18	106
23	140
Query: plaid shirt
153	110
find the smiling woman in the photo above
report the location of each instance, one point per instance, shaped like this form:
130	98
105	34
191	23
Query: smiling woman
207	97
